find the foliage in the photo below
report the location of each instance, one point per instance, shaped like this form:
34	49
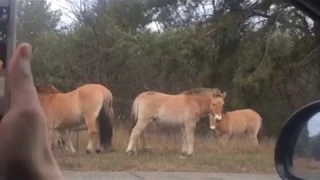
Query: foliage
261	52
303	144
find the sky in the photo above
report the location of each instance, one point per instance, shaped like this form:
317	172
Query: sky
314	124
66	17
64	7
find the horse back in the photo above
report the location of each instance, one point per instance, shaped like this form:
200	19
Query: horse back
157	105
242	120
92	96
157	99
85	100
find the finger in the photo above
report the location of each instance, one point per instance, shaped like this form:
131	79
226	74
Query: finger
20	77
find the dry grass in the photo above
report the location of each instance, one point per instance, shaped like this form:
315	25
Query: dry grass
302	166
164	155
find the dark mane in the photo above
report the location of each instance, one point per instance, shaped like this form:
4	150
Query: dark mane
47	89
196	91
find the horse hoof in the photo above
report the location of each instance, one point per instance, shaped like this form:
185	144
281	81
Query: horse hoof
88	151
185	155
98	151
111	150
130	153
182	156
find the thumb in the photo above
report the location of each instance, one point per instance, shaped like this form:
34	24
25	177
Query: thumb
20	77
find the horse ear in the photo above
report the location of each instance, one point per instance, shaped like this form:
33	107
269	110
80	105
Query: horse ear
224	94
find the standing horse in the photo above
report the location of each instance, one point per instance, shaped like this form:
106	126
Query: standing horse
50	89
238	122
62	144
184	110
90	104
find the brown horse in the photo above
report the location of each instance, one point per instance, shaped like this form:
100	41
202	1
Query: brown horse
90	104
184	110
51	89
238	122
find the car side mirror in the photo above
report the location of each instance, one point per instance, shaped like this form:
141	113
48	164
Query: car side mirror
297	151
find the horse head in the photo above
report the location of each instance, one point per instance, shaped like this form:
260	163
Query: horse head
217	104
47	89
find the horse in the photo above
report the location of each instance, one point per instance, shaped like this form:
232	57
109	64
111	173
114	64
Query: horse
90	104
238	122
62	144
51	89
183	109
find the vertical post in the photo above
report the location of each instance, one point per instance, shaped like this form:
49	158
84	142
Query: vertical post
77	141
8	11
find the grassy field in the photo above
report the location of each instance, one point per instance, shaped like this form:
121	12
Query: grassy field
163	154
304	166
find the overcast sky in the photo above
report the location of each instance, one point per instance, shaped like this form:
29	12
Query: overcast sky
65	8
314	125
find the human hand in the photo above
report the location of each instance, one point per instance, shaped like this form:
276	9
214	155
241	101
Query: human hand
24	149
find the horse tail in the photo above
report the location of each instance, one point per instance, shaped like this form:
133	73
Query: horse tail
105	119
111	114
261	133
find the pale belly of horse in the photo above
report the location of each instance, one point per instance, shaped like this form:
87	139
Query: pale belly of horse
71	122
168	121
238	128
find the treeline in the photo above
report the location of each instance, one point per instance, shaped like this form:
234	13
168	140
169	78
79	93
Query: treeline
263	53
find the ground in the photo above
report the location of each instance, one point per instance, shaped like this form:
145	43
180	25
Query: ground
163	154
307	168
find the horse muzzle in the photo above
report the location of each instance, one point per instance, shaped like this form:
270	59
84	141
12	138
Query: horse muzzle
218	117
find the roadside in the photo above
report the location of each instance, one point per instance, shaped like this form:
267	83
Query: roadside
141	175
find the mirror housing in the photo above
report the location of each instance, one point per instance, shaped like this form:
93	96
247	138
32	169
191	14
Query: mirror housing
8	13
288	137
309	7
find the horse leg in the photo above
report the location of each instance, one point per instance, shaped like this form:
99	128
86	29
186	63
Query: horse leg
51	138
136	131
184	140
59	140
189	129
92	133
63	144
253	138
66	138
142	140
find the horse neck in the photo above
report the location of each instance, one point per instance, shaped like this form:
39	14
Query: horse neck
223	123
203	101
225	118
45	98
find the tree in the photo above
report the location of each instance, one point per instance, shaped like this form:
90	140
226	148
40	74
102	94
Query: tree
260	52
35	17
303	146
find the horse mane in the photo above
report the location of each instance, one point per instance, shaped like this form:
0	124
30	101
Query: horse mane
47	89
196	91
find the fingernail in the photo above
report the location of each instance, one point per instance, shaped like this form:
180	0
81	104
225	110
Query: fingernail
25	50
